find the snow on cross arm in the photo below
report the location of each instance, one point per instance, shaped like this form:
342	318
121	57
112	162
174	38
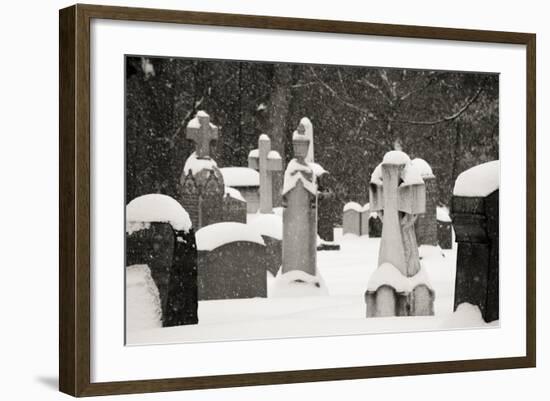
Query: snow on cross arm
479	181
156	208
388	274
422	167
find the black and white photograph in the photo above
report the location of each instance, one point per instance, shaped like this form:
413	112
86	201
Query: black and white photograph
273	200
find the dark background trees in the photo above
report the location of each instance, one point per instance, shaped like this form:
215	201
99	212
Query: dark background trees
448	118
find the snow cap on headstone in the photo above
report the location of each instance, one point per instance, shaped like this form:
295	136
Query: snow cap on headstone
156	208
479	181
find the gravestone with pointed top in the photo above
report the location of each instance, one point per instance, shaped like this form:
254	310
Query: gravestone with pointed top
300	214
399	287
201	187
266	161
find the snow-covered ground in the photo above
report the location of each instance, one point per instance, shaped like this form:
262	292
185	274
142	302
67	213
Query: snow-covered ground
343	311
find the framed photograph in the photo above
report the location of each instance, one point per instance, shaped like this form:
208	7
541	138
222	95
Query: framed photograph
249	200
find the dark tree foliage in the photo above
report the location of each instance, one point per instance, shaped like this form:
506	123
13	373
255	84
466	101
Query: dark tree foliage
448	118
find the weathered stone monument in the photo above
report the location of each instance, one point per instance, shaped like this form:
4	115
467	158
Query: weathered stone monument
444	228
266	161
201	188
399	286
475	216
426	223
298	275
300	210
231	262
375	225
233	206
160	236
356	219
247	182
328	207
352	218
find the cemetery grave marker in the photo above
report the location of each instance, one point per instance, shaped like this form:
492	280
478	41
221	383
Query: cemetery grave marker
475	216
160	236
266	161
231	262
399	286
426	223
201	188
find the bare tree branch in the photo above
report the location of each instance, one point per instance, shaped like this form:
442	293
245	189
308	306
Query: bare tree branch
376	88
338	97
444	119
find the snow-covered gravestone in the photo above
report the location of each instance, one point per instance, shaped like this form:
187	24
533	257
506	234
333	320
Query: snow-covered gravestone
159	236
266	161
375	225
444	228
234	206
201	188
328	213
426	223
399	286
230	262
475	216
299	274
352	218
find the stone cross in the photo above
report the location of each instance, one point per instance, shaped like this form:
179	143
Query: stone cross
266	161
398	193
201	131
399	204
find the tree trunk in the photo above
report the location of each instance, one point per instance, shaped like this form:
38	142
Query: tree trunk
278	112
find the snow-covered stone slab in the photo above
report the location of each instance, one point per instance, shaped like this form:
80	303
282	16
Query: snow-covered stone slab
231	262
479	181
216	235
236	177
156	208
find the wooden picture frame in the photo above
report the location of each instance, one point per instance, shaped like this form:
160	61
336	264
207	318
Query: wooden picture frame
74	199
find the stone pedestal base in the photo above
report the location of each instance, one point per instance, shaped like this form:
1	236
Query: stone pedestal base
386	302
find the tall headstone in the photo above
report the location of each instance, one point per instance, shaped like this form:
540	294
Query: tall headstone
328	213
234	206
426	223
300	214
266	161
352	218
201	188
475	216
398	287
160	235
375	225
444	228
